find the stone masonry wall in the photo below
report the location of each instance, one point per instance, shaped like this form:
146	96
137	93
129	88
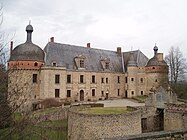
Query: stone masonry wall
89	127
175	116
60	114
163	135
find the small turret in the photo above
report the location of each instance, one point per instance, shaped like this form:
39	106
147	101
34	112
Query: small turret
132	62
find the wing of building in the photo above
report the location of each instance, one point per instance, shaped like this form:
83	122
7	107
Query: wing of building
81	73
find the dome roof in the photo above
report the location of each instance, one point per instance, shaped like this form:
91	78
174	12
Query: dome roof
27	50
154	62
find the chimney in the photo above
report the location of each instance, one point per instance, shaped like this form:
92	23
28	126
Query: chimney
160	56
88	45
118	50
11	47
52	39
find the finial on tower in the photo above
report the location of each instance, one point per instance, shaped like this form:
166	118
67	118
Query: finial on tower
29	30
155	49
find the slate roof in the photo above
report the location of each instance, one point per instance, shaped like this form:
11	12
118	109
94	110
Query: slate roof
27	51
140	59
64	54
155	62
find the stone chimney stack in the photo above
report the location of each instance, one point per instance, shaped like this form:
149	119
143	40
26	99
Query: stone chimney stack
88	45
119	50
11	47
160	56
52	39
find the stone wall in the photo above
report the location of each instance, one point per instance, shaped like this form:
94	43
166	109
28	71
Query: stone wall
83	126
22	92
102	89
150	119
175	116
163	135
59	114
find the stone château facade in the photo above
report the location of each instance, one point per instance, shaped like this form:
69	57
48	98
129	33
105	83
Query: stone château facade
76	73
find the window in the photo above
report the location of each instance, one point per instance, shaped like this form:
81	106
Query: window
132	92
34	78
68	93
141	80
106	80
93	78
118	92
141	92
54	64
102	80
35	64
81	63
57	79
93	92
57	93
102	93
81	78
107	65
132	79
144	123
68	78
126	94
118	79
156	80
126	79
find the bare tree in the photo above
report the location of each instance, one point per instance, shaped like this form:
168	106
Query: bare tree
177	64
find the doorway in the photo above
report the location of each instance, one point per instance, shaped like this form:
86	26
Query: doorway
82	95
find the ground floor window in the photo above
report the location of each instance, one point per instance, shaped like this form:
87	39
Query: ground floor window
118	92
68	93
57	93
93	92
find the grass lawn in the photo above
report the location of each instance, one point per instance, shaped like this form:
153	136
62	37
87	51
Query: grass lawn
106	110
46	111
52	130
141	98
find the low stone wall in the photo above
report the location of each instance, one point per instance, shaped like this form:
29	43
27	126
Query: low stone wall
60	114
175	116
162	135
83	126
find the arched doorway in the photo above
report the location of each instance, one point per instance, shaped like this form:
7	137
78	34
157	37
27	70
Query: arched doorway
81	95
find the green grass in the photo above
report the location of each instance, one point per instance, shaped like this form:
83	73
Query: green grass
105	110
52	130
17	116
46	111
141	98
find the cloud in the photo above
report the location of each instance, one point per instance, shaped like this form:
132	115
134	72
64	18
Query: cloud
106	24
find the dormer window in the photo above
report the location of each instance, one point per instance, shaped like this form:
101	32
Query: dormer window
81	63
107	65
54	64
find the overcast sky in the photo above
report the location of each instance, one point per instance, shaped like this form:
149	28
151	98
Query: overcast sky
106	24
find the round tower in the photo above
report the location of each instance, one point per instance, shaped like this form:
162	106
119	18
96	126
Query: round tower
156	71
24	73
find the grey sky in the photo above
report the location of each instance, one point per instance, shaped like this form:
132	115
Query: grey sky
106	24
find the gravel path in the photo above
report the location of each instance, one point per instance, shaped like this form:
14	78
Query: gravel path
120	102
